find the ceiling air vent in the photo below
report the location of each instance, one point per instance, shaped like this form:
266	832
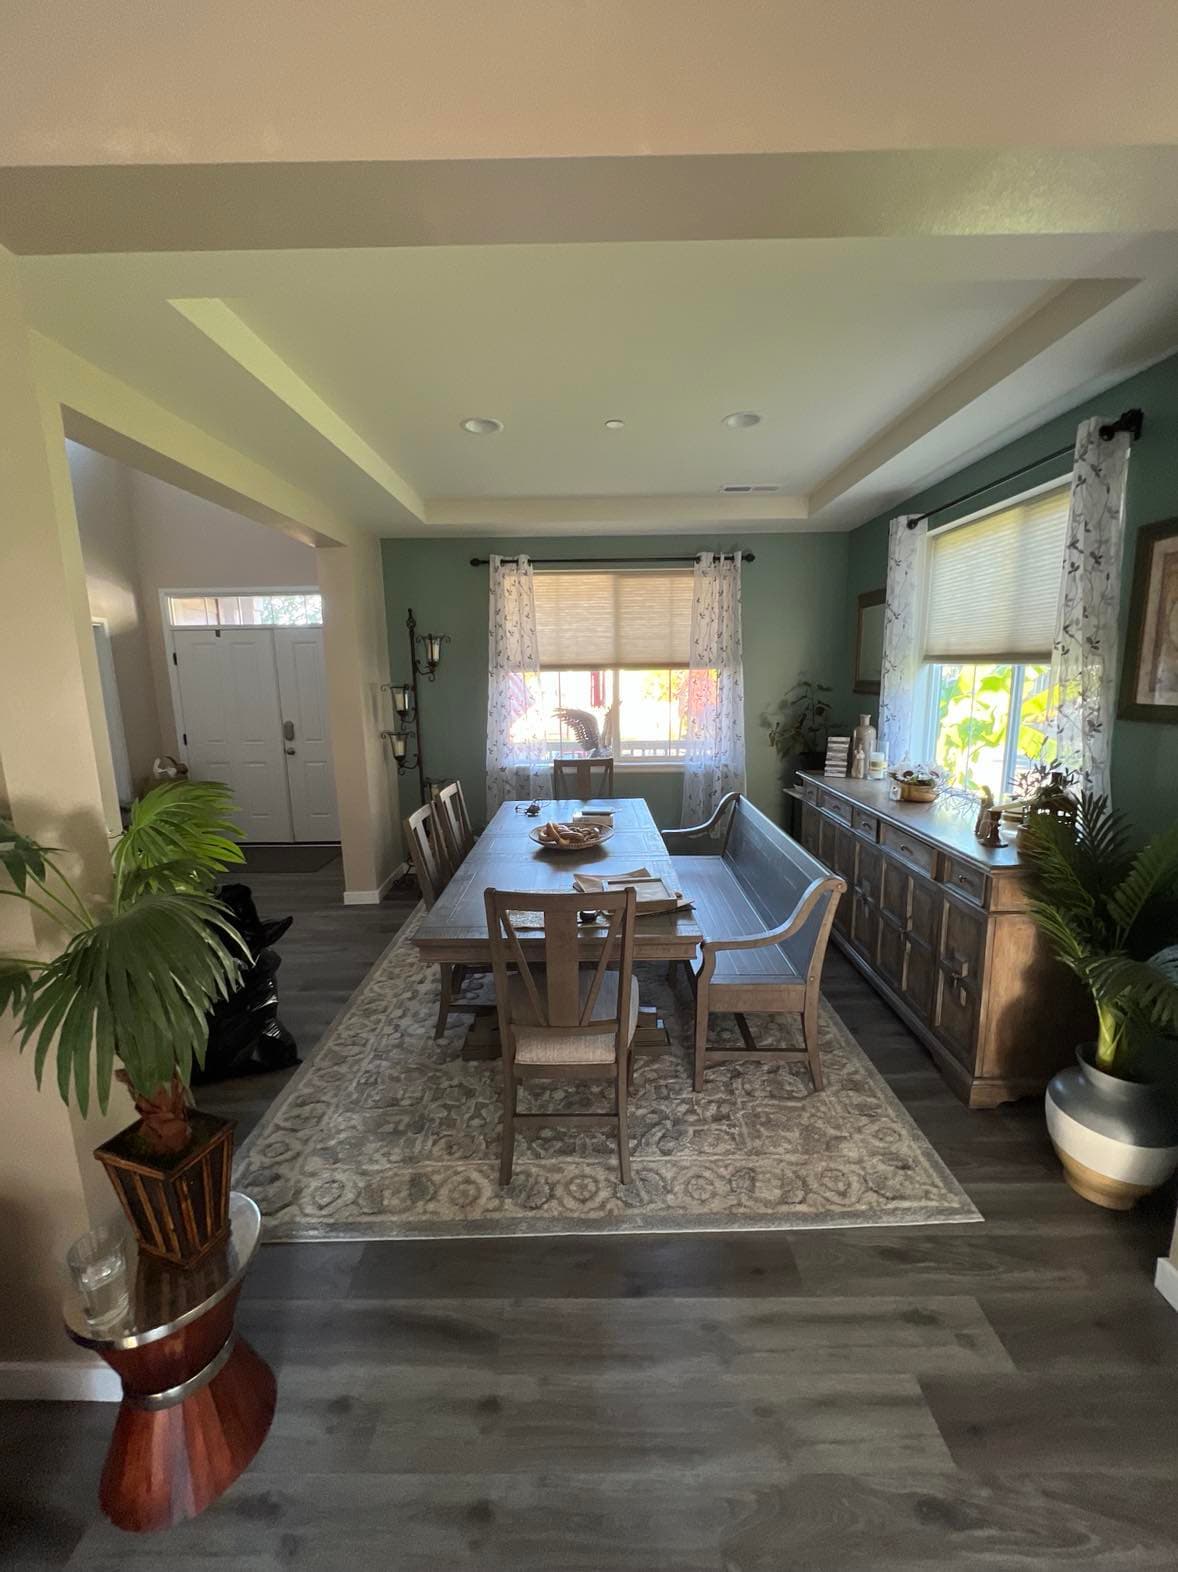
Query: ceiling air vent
745	491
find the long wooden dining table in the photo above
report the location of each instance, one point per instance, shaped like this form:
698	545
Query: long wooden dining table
505	857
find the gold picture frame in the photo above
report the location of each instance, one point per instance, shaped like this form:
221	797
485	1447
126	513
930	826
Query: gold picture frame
1149	679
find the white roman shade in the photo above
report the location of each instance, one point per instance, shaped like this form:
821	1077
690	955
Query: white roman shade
627	617
993	585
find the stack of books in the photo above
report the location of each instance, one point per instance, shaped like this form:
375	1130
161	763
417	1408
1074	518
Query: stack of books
837	753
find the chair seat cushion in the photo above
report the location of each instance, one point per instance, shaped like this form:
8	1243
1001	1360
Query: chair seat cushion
552	1044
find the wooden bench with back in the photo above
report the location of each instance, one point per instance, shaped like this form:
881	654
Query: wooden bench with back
765	906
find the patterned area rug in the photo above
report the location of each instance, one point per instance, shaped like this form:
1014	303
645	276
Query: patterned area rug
386	1134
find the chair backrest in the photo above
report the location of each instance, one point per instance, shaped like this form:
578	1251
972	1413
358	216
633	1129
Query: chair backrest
428	852
555	993
575	777
776	871
450	811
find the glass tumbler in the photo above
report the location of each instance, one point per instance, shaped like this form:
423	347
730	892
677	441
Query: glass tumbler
98	1266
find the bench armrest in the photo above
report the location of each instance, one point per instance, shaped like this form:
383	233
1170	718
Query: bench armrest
819	889
680	840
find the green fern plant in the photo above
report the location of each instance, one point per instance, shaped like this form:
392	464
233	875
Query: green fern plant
1111	916
135	978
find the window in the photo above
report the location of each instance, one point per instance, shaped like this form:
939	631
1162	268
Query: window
616	644
993	589
987	722
271	610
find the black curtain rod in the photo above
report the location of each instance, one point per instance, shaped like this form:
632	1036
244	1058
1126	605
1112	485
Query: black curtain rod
482	562
1132	421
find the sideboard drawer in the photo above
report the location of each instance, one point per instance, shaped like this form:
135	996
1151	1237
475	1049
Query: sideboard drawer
965	879
809	792
917	853
865	823
835	806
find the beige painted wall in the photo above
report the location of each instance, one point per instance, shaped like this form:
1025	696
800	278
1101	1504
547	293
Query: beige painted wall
102	502
184	541
356	649
58	786
141	535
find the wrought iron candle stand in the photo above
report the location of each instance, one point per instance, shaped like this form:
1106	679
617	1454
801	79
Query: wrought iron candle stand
406	709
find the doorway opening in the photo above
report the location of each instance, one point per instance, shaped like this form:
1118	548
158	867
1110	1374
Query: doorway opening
250	698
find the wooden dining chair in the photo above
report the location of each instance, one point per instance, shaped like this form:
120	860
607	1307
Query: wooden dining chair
576	777
433	865
450	810
425	839
560	1020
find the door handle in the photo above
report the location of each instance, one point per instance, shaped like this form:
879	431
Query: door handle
288	730
290	750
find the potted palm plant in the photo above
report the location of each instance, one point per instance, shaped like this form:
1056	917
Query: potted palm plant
132	984
1111	916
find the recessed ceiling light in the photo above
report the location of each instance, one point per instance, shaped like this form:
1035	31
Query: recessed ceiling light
742	418
614	425
482	425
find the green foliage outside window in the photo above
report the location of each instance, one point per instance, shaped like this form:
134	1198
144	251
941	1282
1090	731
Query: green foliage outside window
973	708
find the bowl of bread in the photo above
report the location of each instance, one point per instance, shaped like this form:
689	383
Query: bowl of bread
580	836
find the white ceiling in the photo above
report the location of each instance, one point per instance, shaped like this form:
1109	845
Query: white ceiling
903	233
832	341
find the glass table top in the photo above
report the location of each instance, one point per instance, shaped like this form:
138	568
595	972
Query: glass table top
163	1297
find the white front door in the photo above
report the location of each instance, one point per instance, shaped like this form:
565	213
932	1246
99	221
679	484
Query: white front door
302	687
232	723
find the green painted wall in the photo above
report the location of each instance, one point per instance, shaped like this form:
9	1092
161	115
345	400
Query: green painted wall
1144	755
794	621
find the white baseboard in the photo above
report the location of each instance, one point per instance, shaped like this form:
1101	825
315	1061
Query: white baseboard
58	1381
1165	1280
374	897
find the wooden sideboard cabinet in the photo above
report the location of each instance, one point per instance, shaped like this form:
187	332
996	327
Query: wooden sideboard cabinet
938	923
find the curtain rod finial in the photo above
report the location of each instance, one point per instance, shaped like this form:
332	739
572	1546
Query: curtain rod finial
1130	421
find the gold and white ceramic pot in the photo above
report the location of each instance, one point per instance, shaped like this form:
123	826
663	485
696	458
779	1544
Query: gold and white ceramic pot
1117	1139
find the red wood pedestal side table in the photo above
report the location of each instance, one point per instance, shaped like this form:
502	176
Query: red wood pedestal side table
197	1401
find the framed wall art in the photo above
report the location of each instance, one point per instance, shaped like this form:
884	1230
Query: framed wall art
1149	682
869	632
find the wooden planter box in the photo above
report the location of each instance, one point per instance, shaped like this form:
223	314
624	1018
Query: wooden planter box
178	1206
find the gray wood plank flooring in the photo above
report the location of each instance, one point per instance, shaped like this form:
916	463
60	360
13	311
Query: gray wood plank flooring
991	1396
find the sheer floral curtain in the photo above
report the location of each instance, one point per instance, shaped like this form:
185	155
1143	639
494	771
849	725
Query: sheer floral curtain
1084	655
517	767
714	763
903	650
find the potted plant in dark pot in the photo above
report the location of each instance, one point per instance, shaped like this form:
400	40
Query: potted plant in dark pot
1111	916
132	983
799	733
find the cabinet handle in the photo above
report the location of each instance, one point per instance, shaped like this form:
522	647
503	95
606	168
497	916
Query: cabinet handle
963	878
904	847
